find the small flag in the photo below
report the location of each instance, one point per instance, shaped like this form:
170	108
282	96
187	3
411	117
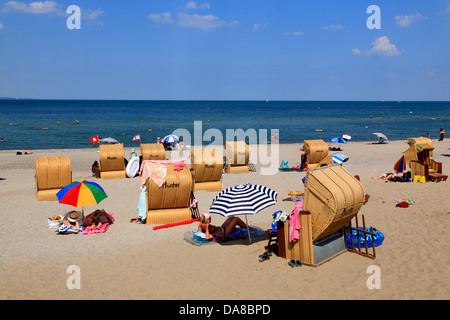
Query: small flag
94	139
137	137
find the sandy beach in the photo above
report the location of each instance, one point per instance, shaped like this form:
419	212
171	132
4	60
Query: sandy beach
133	261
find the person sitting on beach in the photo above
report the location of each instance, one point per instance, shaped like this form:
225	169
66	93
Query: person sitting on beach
72	220
133	153
227	227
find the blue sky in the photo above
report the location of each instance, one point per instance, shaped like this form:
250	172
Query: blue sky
225	50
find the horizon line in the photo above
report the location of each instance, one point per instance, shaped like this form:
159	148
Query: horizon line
224	100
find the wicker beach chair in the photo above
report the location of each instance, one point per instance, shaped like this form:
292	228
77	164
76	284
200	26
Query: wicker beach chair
171	202
333	196
315	152
419	157
237	155
52	174
206	168
153	151
112	161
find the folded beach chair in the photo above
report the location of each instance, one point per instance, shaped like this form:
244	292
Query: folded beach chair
316	151
52	174
332	197
112	161
206	168
237	155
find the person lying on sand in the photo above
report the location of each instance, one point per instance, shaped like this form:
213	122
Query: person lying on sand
392	175
227	227
72	220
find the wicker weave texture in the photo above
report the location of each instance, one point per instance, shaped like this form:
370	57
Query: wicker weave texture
334	197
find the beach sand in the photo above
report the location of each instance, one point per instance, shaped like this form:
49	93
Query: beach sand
133	261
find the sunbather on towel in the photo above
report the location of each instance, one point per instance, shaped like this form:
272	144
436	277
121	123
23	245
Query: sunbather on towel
392	175
227	227
72	220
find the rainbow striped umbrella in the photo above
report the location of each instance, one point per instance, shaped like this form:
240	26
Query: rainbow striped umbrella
80	194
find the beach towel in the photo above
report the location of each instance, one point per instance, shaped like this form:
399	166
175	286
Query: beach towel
104	216
69	230
294	224
142	205
157	171
102	229
199	238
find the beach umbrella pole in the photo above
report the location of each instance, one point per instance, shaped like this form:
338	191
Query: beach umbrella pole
248	230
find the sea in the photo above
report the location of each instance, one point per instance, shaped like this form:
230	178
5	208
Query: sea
52	124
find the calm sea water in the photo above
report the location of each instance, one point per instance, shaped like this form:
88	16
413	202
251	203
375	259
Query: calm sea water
22	121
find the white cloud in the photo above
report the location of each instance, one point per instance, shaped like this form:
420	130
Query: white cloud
295	33
333	27
92	14
259	26
380	46
357	52
405	21
447	10
383	46
194	5
205	23
33	8
1	26
164	17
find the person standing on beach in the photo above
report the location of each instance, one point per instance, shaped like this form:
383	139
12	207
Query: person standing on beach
441	134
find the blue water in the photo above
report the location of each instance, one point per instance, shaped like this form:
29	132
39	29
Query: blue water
22	121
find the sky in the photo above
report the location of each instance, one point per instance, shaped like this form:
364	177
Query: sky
226	50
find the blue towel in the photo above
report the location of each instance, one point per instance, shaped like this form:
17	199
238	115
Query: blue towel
142	205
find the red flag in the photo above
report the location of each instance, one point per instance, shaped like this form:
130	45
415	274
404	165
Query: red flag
137	137
94	139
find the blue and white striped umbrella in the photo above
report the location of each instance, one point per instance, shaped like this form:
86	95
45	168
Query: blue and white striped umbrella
243	200
170	138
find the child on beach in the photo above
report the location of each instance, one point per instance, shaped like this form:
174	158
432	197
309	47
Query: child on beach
227	227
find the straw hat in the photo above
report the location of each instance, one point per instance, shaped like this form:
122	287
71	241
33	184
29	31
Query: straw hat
73	216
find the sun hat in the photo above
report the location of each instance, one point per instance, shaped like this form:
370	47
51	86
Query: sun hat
207	215
73	216
132	150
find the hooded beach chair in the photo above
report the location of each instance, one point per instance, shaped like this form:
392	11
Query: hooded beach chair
52	174
315	151
169	197
112	161
332	197
419	157
153	151
206	168
237	155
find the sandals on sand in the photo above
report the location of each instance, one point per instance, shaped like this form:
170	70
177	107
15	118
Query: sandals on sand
265	256
295	263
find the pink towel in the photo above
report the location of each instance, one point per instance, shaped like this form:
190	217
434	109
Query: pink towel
294	223
157	170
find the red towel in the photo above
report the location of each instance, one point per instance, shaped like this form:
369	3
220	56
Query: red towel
402	204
